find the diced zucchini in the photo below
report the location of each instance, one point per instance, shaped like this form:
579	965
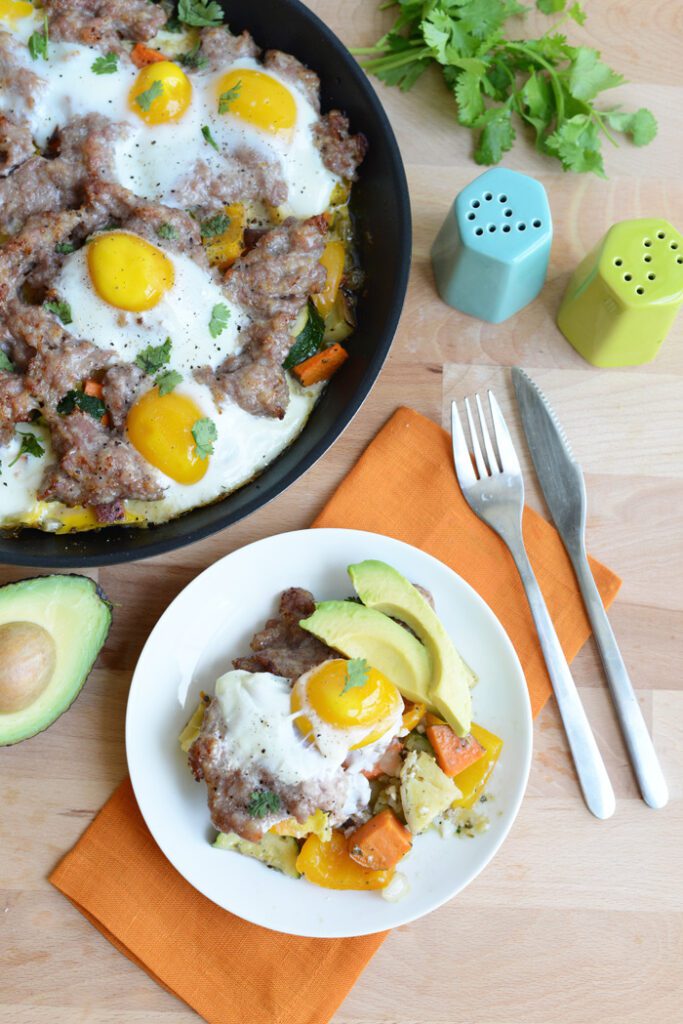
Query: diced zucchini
194	724
279	852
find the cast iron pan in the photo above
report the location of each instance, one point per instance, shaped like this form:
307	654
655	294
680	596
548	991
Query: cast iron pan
382	211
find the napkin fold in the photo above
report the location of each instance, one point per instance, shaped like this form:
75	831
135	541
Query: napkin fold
233	972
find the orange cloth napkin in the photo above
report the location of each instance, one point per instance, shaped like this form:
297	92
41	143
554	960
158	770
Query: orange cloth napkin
232	972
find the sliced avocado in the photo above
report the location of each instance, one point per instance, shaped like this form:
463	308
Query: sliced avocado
360	632
51	630
279	852
382	588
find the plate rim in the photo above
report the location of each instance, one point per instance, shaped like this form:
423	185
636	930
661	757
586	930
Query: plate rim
514	805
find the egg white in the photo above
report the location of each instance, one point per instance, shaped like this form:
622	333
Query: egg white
154	160
182	314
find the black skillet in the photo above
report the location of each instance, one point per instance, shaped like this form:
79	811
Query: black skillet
381	208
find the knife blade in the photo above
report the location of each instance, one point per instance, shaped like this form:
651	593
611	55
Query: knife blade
562	483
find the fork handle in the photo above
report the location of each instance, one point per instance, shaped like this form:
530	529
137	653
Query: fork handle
641	750
590	768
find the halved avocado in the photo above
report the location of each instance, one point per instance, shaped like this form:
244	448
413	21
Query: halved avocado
51	630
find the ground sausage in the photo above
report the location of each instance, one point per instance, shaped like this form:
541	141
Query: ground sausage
282	646
342	153
104	23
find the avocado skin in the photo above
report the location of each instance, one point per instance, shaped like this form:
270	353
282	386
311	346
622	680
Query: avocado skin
16	589
384	589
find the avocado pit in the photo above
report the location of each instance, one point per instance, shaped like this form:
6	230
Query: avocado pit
27	662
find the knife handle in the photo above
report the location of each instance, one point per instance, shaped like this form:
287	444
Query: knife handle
590	768
641	750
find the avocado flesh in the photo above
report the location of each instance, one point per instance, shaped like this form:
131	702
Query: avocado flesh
77	616
385	590
360	632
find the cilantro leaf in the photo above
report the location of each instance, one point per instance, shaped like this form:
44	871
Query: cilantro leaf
577	144
641	126
469	98
152	358
30	445
308	341
577	13
106	65
497	135
208	137
200	12
64	248
60	309
357	671
262	803
145	99
204	433
589	76
167	231
220	314
37	43
193	58
5	362
551	6
167	381
94	406
226	99
214	226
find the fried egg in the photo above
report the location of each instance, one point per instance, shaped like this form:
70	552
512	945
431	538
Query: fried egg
126	294
339	718
174	119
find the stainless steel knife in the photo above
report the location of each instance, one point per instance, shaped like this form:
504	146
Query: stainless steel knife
561	480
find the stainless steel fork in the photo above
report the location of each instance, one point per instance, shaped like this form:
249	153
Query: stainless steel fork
495	493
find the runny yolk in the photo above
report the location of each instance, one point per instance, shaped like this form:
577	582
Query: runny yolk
372	704
160	427
13	10
257	98
128	272
162	92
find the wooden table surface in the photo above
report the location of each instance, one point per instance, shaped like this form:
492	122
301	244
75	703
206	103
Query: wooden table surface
576	921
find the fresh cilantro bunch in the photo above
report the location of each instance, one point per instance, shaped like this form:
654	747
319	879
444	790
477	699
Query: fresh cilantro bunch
496	81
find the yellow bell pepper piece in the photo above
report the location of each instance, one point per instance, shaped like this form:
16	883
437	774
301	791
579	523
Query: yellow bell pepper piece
332	260
329	865
317	824
413	716
472	781
223	250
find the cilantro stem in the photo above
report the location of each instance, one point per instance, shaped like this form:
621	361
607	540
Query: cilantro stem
554	81
389	63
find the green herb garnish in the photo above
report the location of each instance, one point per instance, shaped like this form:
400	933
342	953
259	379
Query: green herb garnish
357	671
5	362
167	231
263	802
106	65
60	309
94	406
64	248
496	81
208	137
226	99
214	226
309	341
37	43
167	381
204	433
193	58
30	445
145	99
152	358
220	314
200	12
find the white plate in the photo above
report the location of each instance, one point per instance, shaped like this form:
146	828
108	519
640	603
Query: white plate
209	624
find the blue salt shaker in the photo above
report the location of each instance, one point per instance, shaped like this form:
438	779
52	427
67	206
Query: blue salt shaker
491	255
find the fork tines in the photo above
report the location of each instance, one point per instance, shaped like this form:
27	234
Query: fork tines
504	460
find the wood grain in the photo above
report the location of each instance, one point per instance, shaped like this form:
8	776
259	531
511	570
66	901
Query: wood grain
576	920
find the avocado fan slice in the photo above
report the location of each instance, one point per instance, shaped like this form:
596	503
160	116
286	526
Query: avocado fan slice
76	615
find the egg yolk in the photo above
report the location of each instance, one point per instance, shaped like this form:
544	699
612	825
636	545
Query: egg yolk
13	10
373	703
160	427
161	93
129	272
257	98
